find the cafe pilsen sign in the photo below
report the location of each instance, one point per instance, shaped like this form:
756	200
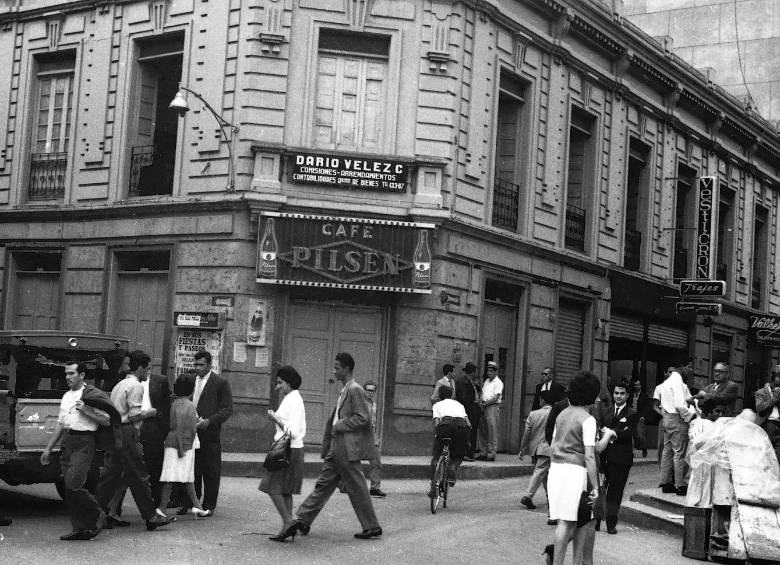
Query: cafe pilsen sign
356	173
339	252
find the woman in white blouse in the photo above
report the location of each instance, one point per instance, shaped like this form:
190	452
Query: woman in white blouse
289	418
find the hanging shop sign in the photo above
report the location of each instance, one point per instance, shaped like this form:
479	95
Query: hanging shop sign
349	172
702	288
699	308
764	330
705	242
203	320
358	253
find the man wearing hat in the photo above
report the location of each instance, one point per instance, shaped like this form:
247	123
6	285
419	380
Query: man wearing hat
490	401
468	389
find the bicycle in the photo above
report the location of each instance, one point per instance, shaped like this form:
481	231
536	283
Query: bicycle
440	482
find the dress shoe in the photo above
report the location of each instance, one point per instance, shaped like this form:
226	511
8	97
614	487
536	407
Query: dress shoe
4	521
377	492
681	491
78	535
468	458
481	458
183	511
667	488
112	522
612	530
295	526
551	522
370	533
528	503
288	532
156	522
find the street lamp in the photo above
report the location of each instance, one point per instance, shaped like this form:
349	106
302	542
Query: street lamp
180	106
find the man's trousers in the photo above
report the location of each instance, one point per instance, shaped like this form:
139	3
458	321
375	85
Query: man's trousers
616	476
487	436
78	449
675	446
539	475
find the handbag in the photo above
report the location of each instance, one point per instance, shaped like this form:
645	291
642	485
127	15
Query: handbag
278	456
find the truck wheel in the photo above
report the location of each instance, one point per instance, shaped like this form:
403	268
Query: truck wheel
59	484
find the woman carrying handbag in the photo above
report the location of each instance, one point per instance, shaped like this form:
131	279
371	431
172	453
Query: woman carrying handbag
289	419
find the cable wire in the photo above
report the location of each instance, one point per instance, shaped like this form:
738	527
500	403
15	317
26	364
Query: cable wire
739	57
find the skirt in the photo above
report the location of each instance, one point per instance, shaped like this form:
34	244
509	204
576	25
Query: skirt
565	484
285	481
177	469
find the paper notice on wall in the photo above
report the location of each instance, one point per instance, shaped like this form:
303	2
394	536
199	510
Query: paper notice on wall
257	323
239	352
189	342
261	357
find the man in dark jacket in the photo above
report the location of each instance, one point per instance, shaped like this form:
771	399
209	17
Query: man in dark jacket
468	390
618	457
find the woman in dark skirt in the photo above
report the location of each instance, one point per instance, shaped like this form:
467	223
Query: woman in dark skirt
289	418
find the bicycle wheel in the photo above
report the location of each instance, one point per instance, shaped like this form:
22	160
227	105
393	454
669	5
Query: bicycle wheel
438	476
445	485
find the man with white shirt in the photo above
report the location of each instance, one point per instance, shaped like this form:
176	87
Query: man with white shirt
447	379
768	407
490	401
76	426
450	422
672	395
125	462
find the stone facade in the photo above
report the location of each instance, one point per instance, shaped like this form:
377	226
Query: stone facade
519	124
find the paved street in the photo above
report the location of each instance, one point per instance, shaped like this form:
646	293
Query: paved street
483	520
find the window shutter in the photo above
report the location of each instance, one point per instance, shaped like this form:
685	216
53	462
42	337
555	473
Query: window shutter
569	340
147	105
325	106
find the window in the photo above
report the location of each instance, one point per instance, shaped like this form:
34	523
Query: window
154	126
580	182
759	257
506	185
636	203
36	290
684	229
725	236
350	96
52	125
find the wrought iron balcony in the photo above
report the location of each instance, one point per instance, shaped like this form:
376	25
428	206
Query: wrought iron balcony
47	176
633	250
575	228
151	171
506	204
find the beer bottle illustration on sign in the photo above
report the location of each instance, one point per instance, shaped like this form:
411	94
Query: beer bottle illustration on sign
422	261
256	325
268	249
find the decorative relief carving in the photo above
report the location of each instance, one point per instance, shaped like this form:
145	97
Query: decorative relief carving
438	55
272	35
357	11
54	31
157	13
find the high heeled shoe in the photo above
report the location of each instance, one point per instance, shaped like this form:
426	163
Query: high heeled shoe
289	532
200	513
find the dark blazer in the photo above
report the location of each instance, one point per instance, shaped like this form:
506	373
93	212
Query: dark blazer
766	399
621	451
216	405
554	387
351	436
725	395
156	429
464	391
549	426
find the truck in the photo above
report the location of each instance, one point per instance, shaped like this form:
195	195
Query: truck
32	383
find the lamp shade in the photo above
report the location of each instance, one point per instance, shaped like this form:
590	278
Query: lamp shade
179	104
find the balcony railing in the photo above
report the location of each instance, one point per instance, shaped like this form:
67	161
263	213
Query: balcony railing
575	228
47	176
151	171
506	204
680	264
633	250
755	296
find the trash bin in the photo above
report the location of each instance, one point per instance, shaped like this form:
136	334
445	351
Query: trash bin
696	533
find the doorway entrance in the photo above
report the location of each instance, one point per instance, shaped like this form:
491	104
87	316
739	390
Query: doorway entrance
315	333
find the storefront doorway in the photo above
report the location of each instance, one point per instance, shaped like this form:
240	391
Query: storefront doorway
315	333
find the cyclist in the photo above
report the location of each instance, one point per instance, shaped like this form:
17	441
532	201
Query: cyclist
450	421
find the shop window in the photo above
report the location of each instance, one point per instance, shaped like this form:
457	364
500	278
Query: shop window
579	186
53	93
509	147
721	348
725	236
684	226
349	111
759	257
36	290
154	126
637	203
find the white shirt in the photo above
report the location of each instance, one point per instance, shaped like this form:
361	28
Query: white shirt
492	390
200	383
673	393
342	395
449	407
72	419
292	412
146	403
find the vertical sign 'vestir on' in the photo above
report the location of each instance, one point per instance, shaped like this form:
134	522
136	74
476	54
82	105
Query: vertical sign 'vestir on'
704	228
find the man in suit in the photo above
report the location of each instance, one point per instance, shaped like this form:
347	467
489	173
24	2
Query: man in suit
535	445
214	402
375	461
468	389
642	405
618	457
447	379
348	440
548	374
722	392
768	408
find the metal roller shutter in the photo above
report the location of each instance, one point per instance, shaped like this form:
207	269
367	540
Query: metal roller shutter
625	327
569	339
669	336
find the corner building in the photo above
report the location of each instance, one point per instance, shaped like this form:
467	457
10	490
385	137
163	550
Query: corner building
415	182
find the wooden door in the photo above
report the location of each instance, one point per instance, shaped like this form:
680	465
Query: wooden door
498	344
36	303
140	312
316	333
